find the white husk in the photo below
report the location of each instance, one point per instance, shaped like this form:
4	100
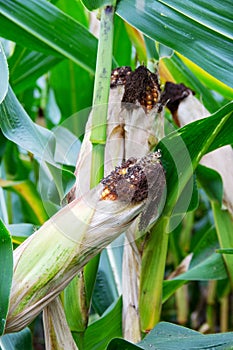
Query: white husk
56	330
130	133
191	109
46	262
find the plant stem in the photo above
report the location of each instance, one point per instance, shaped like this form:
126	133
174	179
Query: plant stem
101	94
211	308
152	275
99	123
224	313
224	227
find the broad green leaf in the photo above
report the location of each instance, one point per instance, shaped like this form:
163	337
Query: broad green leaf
15	341
73	90
183	149
19	128
27	66
205	40
3	143
110	322
4	74
122	47
75	9
208	80
205	265
211	268
48	30
215	16
27	191
169	336
211	182
6	273
225	251
105	291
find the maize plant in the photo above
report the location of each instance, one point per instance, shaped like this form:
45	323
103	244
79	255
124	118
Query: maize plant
116	196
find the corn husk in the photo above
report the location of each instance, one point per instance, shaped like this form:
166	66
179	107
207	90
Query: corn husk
131	132
137	133
46	262
56	330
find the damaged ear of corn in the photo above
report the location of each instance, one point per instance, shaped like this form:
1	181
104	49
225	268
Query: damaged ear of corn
46	262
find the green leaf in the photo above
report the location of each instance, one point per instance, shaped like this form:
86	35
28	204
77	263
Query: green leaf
95	4
6	273
105	291
169	336
19	128
122	47
27	66
183	149
204	39
211	182
16	341
4	74
205	265
121	344
27	191
48	30
110	322
225	251
75	9
73	90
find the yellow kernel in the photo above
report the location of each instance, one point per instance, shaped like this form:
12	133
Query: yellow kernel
123	171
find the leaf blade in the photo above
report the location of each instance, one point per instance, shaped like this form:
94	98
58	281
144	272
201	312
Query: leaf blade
163	23
42	30
6	273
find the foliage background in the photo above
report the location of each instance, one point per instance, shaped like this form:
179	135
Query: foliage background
51	51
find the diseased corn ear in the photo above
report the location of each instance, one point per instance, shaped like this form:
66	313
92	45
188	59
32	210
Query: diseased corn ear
140	125
46	262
